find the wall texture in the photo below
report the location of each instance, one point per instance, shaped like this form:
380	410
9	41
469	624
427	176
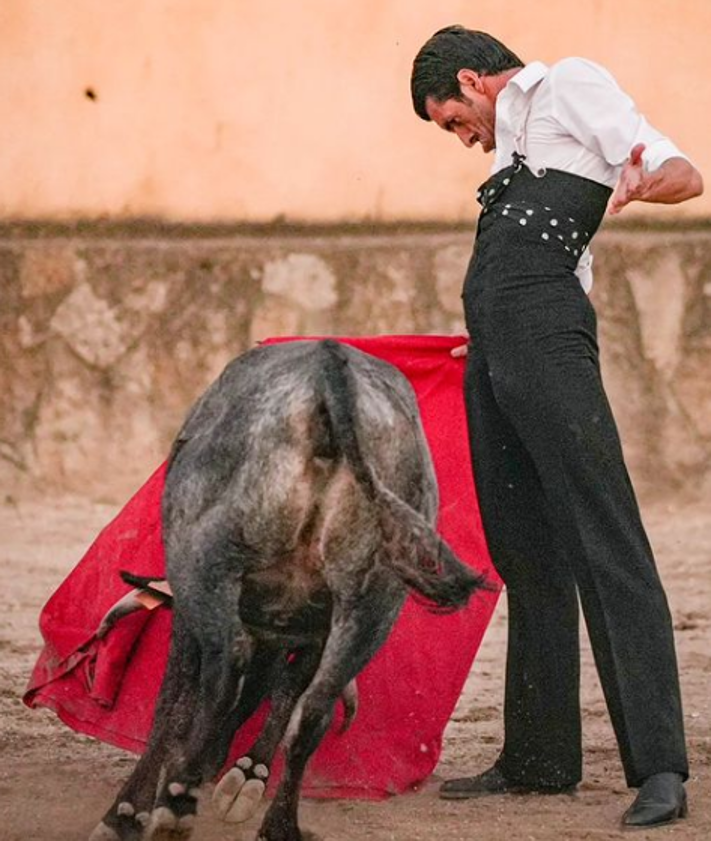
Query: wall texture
241	110
105	341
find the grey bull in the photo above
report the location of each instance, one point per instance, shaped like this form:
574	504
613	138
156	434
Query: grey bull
298	510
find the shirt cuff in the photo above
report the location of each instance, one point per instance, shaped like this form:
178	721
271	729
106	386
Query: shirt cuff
659	152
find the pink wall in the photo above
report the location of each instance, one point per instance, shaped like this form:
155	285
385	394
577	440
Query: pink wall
246	110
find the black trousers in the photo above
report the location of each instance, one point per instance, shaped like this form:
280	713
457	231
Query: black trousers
561	519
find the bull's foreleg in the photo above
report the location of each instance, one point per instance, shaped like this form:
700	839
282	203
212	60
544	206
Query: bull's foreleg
129	815
240	791
357	632
223	665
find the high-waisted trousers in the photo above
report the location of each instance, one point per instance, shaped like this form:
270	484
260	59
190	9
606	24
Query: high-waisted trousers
563	528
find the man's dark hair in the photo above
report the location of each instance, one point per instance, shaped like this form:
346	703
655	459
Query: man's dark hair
434	71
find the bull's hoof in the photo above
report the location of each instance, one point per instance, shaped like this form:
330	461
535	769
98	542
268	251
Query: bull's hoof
122	825
281	826
173	817
165	825
293	835
102	832
238	794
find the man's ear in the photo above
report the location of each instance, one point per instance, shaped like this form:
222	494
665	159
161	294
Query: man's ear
471	79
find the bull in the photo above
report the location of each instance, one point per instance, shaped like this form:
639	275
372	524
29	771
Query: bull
298	510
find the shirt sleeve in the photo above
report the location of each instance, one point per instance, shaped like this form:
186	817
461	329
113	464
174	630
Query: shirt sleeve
591	106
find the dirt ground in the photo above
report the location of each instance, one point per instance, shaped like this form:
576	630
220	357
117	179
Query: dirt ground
55	784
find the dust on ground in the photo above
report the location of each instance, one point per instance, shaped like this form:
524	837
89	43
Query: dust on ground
55	784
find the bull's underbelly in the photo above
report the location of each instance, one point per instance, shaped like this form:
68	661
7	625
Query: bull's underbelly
287	598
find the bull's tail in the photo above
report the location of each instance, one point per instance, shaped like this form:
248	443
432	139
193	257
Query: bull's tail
423	560
416	553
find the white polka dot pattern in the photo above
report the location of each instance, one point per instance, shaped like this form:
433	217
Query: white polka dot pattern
543	225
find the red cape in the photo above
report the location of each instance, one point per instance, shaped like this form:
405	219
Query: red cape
107	688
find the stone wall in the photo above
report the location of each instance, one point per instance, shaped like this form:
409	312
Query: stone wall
106	339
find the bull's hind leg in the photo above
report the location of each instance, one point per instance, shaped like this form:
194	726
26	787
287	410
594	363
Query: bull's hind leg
357	632
128	816
240	791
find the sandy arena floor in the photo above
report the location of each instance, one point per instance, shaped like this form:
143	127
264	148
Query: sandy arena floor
55	784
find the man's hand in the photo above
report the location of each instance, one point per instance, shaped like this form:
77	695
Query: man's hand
675	181
631	184
461	350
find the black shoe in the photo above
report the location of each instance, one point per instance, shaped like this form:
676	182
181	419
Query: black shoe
494	782
661	800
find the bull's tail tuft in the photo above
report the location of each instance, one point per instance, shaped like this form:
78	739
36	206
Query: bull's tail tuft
424	561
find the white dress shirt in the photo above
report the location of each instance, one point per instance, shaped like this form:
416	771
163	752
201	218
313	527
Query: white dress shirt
574	117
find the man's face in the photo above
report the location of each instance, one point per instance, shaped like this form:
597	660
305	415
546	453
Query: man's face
472	117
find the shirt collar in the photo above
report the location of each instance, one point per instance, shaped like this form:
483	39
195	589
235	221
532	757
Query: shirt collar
529	76
511	108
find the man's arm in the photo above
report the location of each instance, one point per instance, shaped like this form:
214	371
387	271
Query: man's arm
590	105
676	180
